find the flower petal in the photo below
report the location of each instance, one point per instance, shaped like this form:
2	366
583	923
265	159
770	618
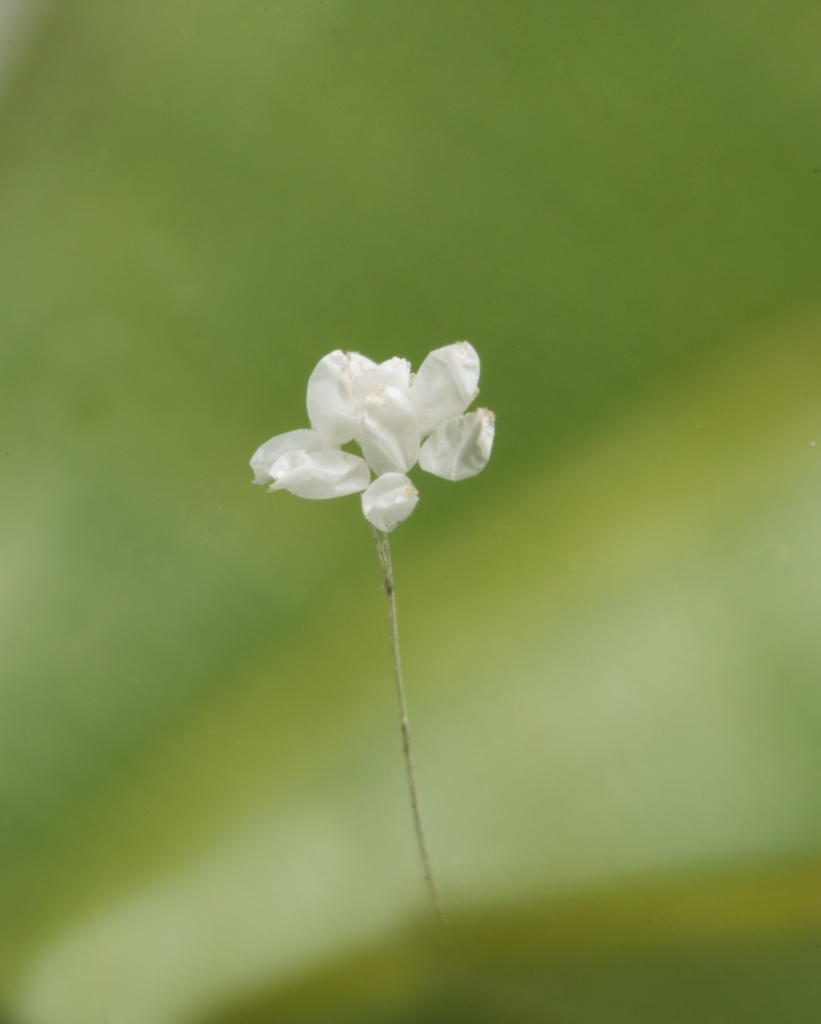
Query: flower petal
267	454
389	500
388	432
461	447
331	401
446	384
394	373
324	474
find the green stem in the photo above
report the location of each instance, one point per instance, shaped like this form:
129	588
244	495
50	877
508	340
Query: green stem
384	551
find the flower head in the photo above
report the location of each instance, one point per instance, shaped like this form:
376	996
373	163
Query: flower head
389	413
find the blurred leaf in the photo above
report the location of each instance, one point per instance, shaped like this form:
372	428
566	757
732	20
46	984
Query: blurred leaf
743	946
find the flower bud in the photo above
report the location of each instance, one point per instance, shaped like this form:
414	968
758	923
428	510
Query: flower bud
267	454
331	401
388	432
446	384
394	373
389	500
324	474
461	447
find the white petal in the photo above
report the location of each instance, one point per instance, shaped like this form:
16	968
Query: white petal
267	454
331	400
325	474
460	447
394	373
446	384
388	432
389	500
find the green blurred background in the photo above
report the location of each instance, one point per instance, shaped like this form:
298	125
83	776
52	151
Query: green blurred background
611	635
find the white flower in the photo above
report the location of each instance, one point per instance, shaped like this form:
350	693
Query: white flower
389	413
390	499
388	432
460	448
332	407
267	454
326	474
394	373
446	384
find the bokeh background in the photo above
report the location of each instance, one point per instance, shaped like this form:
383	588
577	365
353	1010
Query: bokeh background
611	636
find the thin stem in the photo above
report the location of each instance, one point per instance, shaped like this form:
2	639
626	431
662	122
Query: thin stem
383	549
